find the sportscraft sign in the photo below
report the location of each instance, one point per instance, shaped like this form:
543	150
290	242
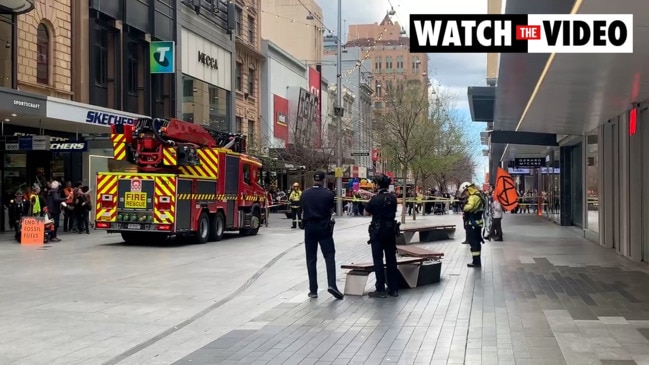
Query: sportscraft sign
521	33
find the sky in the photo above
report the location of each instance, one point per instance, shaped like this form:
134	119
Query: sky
454	72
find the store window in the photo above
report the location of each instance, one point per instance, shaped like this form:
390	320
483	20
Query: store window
43	55
592	182
6	51
15	173
205	104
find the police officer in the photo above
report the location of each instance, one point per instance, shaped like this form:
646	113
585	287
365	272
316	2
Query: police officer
318	205
295	198
473	210
18	208
383	238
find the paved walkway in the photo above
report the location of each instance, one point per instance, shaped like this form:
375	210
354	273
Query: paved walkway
544	296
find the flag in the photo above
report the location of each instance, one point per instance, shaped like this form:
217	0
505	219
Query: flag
505	190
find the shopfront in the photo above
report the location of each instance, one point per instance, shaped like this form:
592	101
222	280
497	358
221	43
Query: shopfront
206	82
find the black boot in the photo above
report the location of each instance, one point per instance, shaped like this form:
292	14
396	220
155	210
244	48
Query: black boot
294	225
476	262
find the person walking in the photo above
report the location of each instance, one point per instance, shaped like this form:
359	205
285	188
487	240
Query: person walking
383	238
318	204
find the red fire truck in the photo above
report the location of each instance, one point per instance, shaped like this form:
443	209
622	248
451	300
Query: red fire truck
190	181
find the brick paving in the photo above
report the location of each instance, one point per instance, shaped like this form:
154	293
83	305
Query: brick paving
544	296
523	307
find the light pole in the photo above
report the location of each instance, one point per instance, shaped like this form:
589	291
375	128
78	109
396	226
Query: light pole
339	114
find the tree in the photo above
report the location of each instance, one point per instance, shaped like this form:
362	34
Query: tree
399	122
445	150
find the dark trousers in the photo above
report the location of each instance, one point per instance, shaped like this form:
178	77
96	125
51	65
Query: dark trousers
474	236
386	243
314	233
68	220
496	228
83	220
57	219
296	215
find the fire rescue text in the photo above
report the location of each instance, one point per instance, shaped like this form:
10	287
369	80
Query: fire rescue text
522	33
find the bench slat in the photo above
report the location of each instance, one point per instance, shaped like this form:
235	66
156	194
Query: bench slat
418	252
368	266
428	228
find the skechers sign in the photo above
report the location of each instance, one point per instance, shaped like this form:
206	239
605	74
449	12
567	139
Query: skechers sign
521	33
108	118
69	146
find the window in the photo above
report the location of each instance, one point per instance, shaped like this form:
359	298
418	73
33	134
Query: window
400	64
251	29
188	89
377	65
388	64
43	50
415	64
251	82
133	74
101	57
251	131
246	174
239	15
7	66
239	81
378	105
239	122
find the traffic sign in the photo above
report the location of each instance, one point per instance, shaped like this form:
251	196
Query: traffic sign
356	154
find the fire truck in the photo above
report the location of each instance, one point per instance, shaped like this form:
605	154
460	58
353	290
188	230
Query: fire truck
190	182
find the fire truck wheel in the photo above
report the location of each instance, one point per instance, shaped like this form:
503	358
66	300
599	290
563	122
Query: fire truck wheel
203	229
217	227
255	223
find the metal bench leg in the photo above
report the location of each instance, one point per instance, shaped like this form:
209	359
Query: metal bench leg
410	273
355	282
407	237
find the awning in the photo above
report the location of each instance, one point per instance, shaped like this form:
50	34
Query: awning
84	118
40	112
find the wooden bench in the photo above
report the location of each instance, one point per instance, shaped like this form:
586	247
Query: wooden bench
426	234
415	251
430	271
356	279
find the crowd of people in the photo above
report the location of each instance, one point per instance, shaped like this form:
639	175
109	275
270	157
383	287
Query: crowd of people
52	202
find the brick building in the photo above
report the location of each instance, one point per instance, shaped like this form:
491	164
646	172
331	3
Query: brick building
247	72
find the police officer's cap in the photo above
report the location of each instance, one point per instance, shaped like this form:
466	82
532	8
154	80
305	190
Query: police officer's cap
382	180
319	176
19	193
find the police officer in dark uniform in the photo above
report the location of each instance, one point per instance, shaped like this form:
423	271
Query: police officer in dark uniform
18	208
383	238
318	204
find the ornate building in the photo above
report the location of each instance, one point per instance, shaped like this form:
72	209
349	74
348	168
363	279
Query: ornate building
45	49
247	71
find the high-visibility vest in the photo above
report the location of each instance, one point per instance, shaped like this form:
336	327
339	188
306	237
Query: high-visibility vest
36	206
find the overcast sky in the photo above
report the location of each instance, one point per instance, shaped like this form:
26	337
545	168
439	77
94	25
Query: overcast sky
454	72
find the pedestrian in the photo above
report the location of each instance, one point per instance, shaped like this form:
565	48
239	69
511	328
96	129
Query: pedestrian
318	205
497	217
68	211
383	238
17	209
82	210
473	210
54	200
295	199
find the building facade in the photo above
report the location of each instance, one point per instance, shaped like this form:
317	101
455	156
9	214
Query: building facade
280	72
249	60
204	76
295	26
358	80
388	49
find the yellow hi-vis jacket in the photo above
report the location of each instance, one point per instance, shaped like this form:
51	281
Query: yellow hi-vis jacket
295	198
473	208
